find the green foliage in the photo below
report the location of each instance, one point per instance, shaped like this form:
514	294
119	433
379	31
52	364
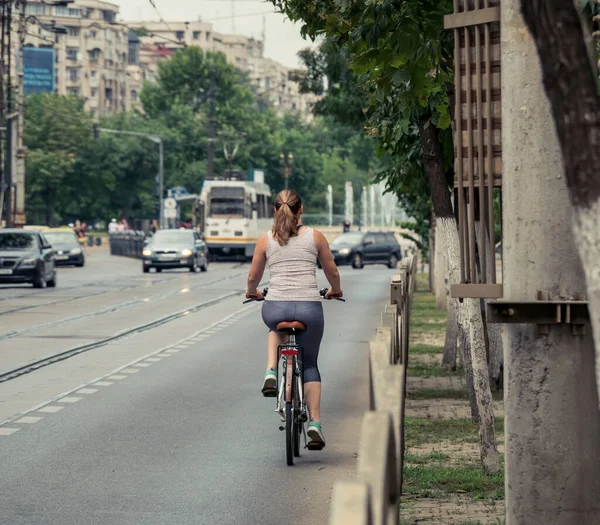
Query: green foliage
55	133
401	59
115	175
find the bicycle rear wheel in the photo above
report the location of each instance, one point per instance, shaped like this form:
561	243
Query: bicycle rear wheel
290	433
297	419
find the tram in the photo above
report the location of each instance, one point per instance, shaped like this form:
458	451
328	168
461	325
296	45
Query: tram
234	213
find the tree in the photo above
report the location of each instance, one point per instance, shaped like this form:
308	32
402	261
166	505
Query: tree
56	131
404	59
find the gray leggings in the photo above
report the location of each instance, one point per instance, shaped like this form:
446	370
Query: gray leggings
310	313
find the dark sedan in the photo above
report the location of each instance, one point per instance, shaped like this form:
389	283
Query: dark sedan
171	249
360	248
26	257
66	247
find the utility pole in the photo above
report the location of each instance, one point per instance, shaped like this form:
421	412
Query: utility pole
212	130
7	211
552	422
19	153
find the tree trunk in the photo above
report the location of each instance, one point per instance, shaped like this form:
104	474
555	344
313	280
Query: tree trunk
551	398
571	87
449	356
470	327
430	256
493	340
440	274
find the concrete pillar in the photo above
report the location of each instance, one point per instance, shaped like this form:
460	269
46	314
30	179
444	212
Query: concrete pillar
552	420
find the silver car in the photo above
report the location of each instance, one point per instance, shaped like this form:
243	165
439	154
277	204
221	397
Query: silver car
171	249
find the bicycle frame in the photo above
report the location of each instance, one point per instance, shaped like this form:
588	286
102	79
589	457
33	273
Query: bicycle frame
291	388
289	355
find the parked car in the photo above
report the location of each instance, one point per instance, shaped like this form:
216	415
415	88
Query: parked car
26	257
66	246
169	249
360	248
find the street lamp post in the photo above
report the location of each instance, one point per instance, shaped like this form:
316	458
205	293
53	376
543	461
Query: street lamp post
286	163
161	163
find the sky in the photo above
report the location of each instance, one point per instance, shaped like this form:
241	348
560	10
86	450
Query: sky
282	36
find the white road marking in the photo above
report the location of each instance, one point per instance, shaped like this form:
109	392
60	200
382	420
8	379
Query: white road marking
29	420
131	370
50	409
101	381
174	350
143	365
164	355
69	399
87	391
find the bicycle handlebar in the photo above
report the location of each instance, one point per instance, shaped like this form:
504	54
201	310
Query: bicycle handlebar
258	299
322	293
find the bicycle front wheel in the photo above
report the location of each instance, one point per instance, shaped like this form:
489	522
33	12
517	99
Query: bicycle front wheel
290	433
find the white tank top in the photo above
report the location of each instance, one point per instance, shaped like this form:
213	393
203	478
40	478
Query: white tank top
293	268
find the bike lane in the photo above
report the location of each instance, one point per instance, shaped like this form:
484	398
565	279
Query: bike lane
187	438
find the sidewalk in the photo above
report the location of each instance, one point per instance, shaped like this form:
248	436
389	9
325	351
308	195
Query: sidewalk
443	480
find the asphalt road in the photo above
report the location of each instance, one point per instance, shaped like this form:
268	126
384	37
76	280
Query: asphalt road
166	424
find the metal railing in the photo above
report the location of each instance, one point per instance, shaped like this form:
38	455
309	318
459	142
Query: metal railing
127	244
374	498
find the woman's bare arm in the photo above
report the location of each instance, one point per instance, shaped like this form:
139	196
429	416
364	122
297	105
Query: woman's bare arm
328	264
259	261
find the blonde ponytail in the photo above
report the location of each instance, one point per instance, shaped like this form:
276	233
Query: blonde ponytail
288	205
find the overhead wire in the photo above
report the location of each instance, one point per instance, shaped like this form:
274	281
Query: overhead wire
153	4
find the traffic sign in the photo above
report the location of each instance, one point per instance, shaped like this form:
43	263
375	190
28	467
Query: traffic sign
170	213
170	204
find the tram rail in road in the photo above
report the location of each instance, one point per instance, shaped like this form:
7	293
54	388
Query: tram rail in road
31	366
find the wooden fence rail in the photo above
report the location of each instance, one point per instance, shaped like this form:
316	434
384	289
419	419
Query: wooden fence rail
374	498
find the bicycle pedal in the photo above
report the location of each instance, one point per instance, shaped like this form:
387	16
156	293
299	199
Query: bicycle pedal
269	392
313	445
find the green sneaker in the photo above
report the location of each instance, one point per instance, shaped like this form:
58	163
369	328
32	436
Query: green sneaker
269	388
316	440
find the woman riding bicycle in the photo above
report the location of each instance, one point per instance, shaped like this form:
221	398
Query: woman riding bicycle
291	250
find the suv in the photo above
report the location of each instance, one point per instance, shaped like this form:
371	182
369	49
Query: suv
360	248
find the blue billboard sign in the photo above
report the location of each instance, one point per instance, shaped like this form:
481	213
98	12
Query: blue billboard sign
38	70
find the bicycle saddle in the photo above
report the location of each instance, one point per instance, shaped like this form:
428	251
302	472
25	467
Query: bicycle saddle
291	326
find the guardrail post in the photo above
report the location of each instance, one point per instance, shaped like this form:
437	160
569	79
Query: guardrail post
350	504
390	318
387	394
377	467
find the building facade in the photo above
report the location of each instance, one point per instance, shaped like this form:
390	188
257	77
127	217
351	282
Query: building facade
272	82
107	62
91	58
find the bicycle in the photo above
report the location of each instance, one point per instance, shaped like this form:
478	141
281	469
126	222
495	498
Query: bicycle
291	405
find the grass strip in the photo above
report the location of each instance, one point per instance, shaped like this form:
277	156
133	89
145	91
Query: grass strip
430	480
416	369
449	393
418	431
425	349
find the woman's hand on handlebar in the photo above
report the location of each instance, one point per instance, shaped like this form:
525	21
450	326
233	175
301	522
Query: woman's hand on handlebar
257	295
332	294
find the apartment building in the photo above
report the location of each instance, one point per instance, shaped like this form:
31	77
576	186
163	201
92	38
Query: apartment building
107	62
92	58
272	81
